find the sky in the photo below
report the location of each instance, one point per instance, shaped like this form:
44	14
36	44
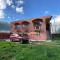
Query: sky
13	10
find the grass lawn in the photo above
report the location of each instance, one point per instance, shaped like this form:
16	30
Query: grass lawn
33	51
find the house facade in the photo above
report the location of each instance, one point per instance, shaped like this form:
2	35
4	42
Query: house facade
38	29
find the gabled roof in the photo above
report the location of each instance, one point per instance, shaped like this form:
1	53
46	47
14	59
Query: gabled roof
46	18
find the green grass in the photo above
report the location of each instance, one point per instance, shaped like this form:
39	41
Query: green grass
33	51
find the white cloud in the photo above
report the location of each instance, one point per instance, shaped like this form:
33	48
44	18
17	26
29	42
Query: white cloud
46	12
55	24
16	7
19	9
9	2
13	6
56	19
2	7
20	1
2	4
1	14
8	16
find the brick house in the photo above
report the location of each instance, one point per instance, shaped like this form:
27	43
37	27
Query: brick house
37	28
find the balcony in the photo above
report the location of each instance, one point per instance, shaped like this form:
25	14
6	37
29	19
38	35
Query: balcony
37	23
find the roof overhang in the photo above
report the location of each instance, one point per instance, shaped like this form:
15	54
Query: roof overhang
46	18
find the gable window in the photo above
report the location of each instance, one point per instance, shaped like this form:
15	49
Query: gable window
18	27
25	24
37	25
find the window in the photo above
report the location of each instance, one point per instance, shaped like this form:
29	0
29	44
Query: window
37	25
18	27
25	25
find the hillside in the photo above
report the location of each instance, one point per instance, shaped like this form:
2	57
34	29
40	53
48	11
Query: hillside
4	26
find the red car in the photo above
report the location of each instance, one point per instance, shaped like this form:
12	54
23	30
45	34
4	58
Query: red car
15	37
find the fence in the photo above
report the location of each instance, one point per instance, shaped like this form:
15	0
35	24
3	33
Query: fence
4	35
